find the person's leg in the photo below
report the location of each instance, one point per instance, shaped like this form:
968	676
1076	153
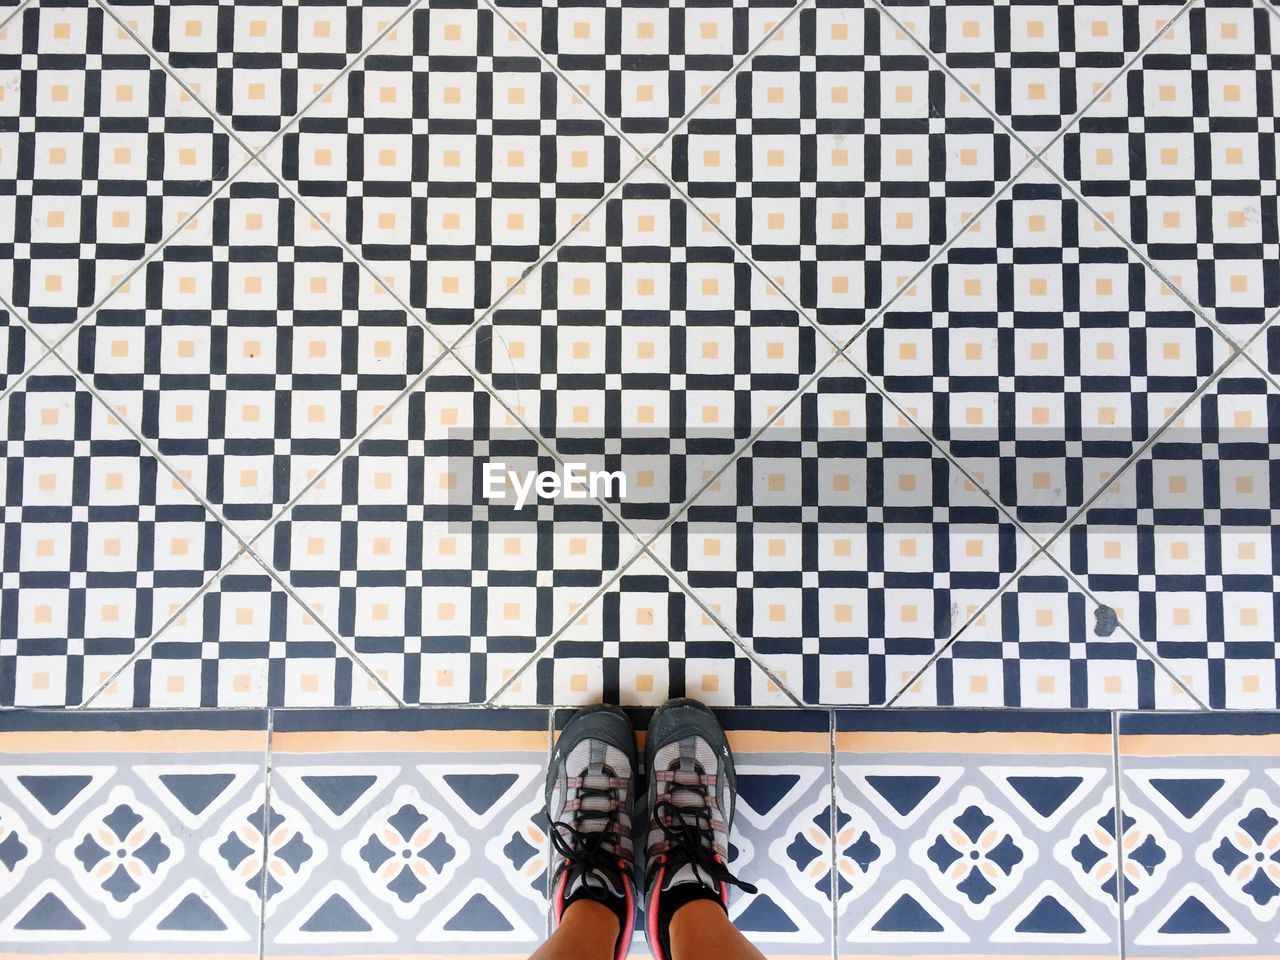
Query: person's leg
587	931
701	931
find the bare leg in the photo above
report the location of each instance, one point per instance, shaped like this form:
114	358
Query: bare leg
587	931
701	931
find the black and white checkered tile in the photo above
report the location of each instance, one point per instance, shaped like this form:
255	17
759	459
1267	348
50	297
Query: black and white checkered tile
251	350
450	157
1182	158
1183	547
839	158
244	642
102	156
275	331
1040	351
101	543
1037	63
441	593
645	65
257	64
647	345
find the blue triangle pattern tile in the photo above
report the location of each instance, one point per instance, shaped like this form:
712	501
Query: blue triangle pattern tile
907	915
335	915
1193	918
480	791
338	793
1045	794
196	791
1049	916
192	914
478	915
903	793
763	791
50	913
1187	794
54	792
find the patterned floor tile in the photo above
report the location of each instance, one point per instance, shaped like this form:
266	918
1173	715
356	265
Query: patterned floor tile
258	64
451	189
116	832
641	643
781	838
102	155
1040	351
100	542
1182	157
1181	548
1038	63
246	643
840	160
1202	851
842	546
408	833
19	350
976	834
647	345
400	552
251	350
643	65
1043	643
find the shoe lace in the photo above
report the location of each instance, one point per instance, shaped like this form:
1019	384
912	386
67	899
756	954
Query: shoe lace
587	851
690	839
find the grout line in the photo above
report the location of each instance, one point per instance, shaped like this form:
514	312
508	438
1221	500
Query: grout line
266	839
1119	824
17	10
730	633
834	886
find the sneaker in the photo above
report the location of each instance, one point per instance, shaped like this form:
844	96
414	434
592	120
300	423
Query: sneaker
590	794
692	792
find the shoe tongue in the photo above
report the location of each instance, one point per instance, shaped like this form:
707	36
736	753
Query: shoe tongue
597	884
687	873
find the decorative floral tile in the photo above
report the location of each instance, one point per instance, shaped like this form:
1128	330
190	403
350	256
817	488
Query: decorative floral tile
1182	157
839	158
645	66
101	543
976	834
408	832
1036	64
450	190
258	64
1181	547
1040	351
842	547
102	154
251	350
113	830
1202	862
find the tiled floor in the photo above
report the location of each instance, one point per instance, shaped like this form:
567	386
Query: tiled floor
870	833
934	340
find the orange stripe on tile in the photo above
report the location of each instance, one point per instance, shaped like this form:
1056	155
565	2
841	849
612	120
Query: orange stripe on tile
132	741
408	741
777	741
1200	745
1000	742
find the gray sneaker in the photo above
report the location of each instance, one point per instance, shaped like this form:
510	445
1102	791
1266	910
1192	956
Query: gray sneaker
691	795
590	798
